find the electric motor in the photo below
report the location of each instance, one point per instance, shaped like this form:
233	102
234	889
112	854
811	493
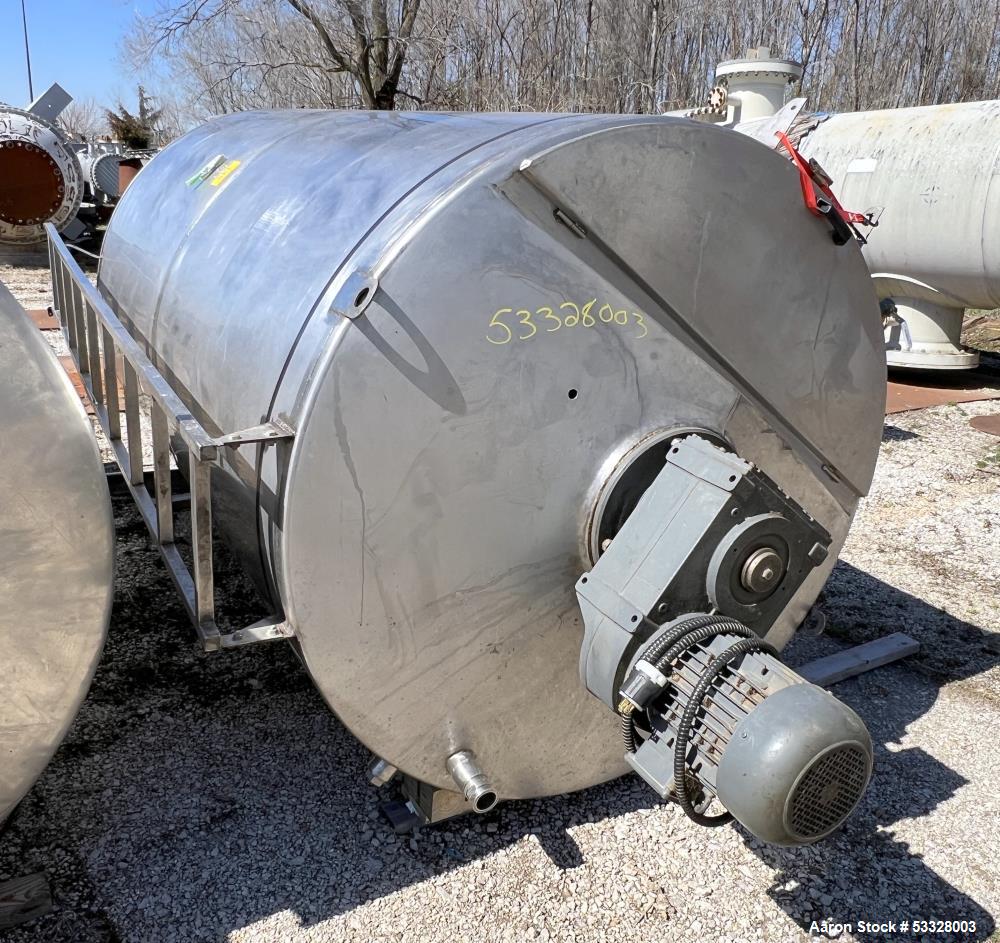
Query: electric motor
786	758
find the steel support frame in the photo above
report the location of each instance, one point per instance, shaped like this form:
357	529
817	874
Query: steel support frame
97	339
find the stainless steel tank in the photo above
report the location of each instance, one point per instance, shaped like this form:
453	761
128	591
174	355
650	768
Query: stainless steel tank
56	553
480	328
930	176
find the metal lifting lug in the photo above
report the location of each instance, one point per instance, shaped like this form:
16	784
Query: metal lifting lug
274	431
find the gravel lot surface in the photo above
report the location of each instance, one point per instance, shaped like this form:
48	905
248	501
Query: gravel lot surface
207	798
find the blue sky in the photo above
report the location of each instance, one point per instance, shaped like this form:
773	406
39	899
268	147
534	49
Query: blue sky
73	42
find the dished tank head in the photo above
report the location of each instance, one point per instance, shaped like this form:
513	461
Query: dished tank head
56	553
479	327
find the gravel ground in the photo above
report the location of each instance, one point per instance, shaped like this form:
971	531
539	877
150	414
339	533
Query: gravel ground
207	798
29	284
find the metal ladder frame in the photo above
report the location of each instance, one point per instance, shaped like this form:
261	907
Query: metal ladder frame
97	338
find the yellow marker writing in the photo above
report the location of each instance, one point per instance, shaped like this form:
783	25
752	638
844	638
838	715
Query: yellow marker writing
577	314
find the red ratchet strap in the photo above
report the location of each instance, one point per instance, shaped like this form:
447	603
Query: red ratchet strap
809	182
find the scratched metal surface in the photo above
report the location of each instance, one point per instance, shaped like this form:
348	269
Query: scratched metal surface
56	553
427	532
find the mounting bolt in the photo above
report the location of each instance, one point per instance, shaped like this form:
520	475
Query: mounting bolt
818	553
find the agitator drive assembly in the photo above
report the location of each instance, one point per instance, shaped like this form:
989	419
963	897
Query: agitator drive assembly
540	433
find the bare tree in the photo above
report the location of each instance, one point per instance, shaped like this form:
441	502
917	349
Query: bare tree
294	48
565	55
84	120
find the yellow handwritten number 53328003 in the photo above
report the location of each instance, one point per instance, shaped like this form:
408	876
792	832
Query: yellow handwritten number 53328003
500	331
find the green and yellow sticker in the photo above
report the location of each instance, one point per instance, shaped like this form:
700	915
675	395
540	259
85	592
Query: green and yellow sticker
216	171
223	173
199	178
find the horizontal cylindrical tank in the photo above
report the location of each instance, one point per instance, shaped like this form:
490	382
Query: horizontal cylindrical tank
56	553
40	177
100	168
931	175
478	325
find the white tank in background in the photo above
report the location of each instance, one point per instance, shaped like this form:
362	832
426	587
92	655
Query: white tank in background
756	86
926	175
929	176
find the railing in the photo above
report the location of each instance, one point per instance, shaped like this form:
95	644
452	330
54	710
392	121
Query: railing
98	341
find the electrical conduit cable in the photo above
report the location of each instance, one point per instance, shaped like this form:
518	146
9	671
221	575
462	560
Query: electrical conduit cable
719	664
663	651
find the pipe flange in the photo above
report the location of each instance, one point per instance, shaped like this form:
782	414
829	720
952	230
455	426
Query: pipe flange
41	180
786	70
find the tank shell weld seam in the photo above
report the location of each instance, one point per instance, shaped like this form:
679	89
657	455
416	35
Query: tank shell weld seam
340	430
